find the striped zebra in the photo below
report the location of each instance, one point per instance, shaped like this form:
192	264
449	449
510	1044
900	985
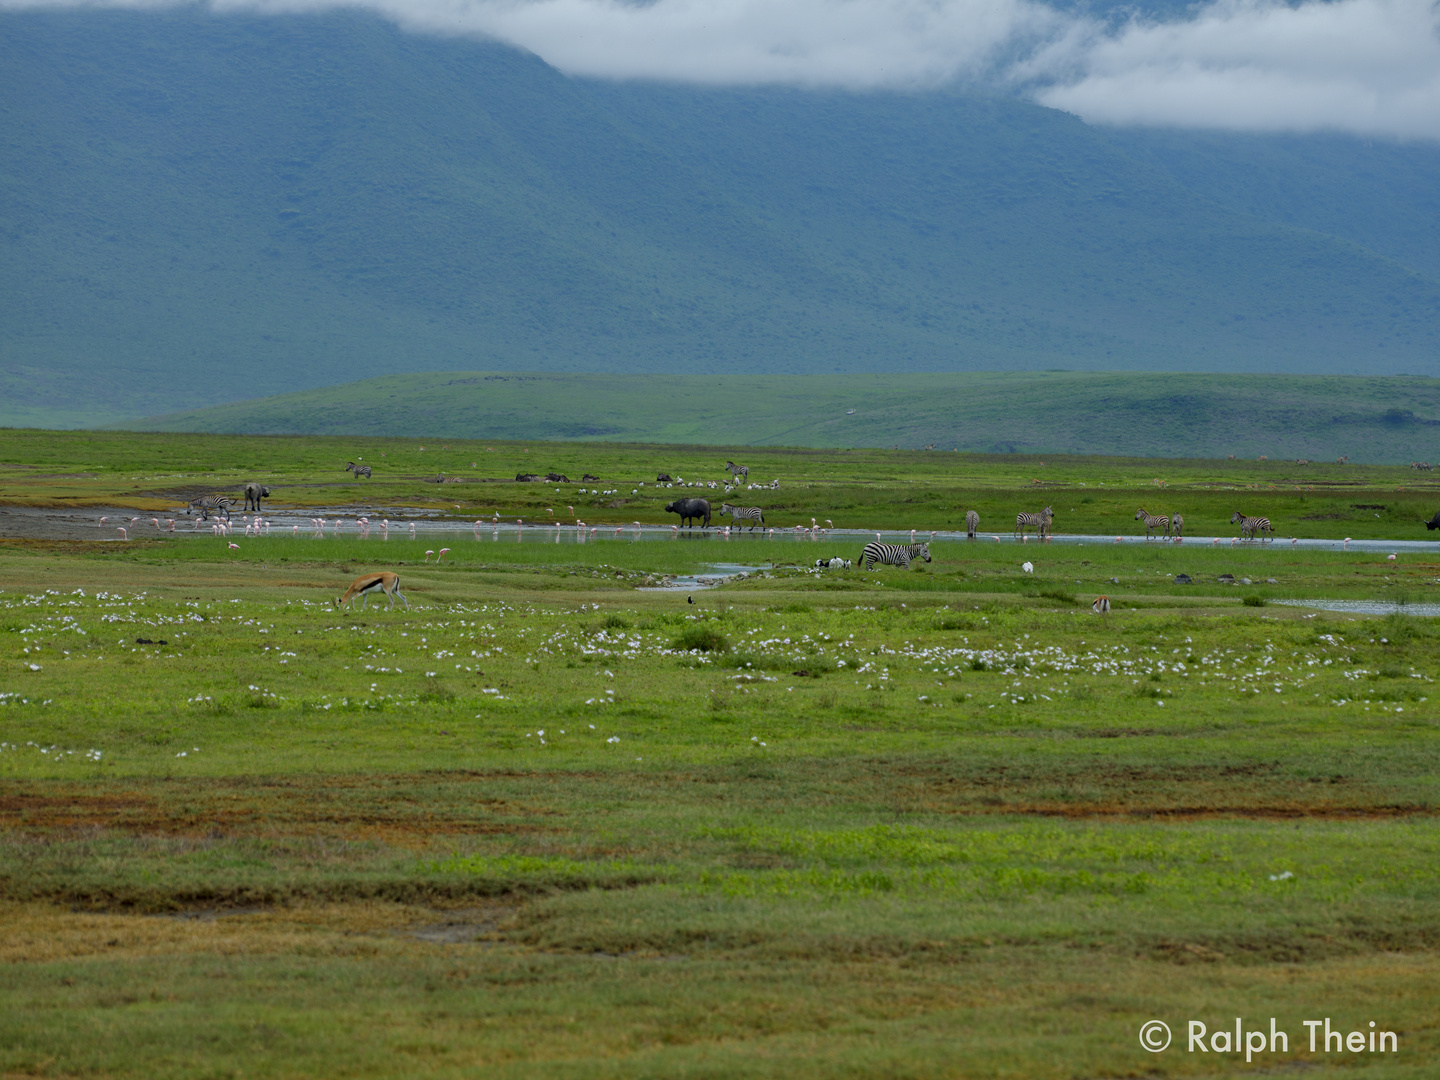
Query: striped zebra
1249	526
893	554
972	523
1179	524
752	514
1153	522
358	470
219	505
737	472
1040	521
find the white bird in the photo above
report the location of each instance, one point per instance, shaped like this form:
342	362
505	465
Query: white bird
675	530
412	530
155	522
571	509
1232	541
912	533
1029	568
1293	541
134	520
441	556
1119	539
1390	557
171	522
103	520
1347	543
727	532
294	530
1214	540
121	530
995	538
428	554
235	547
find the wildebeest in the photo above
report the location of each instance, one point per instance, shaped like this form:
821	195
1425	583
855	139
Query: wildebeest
557	478
253	494
526	478
690	508
662	478
358	470
589	477
1434	522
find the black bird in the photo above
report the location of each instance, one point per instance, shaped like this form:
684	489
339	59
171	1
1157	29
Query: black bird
692	599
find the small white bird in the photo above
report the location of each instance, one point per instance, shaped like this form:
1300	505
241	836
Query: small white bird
441	556
1390	557
1029	568
103	520
171	523
234	547
155	522
1214	540
1293	541
123	534
428	554
1347	543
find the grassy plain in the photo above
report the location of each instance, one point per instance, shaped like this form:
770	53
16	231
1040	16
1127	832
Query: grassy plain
943	822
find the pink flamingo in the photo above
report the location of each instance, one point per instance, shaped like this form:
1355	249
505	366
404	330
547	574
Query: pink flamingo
428	554
103	520
571	509
1390	557
294	530
617	531
1119	539
1293	541
1214	540
727	532
171	522
675	530
412	530
441	557
155	522
123	534
912	533
769	536
134	520
234	547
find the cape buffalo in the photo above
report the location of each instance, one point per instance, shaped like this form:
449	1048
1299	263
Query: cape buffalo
1434	522
253	494
690	508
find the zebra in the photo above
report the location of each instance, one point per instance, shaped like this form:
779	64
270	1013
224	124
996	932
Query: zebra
254	493
737	472
972	523
1179	523
1040	521
210	504
893	554
753	514
1249	526
362	470
1153	521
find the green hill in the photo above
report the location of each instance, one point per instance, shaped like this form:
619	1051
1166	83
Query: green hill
200	208
1133	414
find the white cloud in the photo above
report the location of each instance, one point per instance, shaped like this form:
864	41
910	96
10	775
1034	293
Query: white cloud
1364	66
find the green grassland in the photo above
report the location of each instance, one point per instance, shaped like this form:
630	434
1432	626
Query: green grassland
943	822
1379	420
858	488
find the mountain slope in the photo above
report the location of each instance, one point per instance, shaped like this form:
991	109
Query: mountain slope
201	208
1133	414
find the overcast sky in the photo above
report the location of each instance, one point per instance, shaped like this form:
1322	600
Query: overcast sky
1364	66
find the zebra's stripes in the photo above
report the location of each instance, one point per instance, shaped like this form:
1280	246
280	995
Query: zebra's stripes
1152	522
1179	525
892	554
737	472
1039	522
358	470
206	505
744	513
1249	526
972	523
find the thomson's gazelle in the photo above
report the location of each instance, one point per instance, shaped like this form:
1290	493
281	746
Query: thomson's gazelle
364	586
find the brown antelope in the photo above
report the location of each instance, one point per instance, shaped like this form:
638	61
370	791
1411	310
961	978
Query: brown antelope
366	584
1101	606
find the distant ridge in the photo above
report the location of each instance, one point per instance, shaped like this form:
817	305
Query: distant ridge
199	208
1380	420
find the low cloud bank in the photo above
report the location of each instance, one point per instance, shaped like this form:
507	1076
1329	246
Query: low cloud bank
1369	67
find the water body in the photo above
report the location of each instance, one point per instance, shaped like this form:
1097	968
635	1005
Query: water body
716	574
1366	607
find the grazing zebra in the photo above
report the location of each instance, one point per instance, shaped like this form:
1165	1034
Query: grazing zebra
1179	523
253	494
737	472
359	470
1249	526
753	514
1040	521
972	523
210	504
1152	522
893	554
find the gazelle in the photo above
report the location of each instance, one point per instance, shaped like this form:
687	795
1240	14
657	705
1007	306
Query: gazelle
363	586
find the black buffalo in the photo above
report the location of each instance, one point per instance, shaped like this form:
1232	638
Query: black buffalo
589	476
1434	523
253	494
690	508
526	478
